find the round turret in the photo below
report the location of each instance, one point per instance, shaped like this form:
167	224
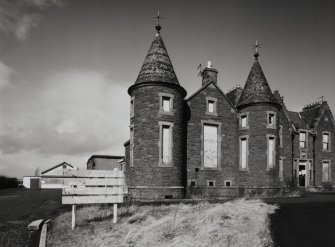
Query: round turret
258	131
156	164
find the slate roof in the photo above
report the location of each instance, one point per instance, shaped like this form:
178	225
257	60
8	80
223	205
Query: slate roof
312	113
234	95
54	167
157	66
256	89
296	120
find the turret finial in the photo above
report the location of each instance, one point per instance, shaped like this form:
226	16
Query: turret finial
256	47
158	26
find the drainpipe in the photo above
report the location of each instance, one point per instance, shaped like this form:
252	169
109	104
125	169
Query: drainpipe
292	156
314	140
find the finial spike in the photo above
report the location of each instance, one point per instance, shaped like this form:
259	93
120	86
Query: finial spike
158	26
256	47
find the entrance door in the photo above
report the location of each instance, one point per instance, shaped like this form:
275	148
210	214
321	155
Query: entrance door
302	174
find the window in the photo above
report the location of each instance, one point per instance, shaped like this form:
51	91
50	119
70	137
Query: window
227	183
192	183
309	163
325	171
271	119
132	107
281	169
131	146
302	140
166	103
196	169
271	151
244	121
211	106
210	183
325	141
165	144
210	146
280	136
244	153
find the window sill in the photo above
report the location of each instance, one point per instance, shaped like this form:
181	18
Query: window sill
171	113
211	113
325	150
160	164
244	169
211	169
244	128
271	127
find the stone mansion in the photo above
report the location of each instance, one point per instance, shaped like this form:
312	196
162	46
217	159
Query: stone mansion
213	140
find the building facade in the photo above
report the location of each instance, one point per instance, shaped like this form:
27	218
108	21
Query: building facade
214	140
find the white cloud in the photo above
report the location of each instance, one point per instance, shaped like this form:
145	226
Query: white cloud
5	73
20	16
71	113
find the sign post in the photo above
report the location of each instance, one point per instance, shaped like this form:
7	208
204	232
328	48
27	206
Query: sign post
94	187
73	216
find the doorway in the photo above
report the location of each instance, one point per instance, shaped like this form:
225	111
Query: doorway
302	174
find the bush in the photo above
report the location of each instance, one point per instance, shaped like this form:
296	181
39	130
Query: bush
7	182
327	186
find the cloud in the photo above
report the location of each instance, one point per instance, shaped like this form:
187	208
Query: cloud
20	16
70	113
5	73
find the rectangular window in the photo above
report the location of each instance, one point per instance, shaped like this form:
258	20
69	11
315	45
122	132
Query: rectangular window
131	146
302	140
244	121
211	104
166	144
271	151
210	146
326	141
243	153
325	171
210	183
271	120
281	169
166	101
227	183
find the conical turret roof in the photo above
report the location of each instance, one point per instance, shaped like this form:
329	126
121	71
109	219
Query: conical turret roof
256	89
157	66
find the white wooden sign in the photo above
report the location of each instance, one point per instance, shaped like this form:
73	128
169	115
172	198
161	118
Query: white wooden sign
94	187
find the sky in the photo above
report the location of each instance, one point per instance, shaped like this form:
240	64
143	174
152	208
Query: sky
66	65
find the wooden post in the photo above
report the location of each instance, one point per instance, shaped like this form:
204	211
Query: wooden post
73	216
115	213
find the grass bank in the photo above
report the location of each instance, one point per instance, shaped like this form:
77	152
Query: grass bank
234	223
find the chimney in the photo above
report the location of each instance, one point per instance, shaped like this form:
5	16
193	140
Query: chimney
209	74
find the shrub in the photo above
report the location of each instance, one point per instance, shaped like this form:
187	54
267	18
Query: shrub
327	186
7	182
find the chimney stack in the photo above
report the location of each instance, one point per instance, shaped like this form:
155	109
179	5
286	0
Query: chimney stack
209	74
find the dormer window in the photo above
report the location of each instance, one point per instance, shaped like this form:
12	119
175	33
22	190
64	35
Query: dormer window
166	103
211	105
271	120
302	140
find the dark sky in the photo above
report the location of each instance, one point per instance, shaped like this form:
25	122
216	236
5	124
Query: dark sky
65	66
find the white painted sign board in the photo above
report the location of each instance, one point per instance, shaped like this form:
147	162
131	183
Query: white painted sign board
94	187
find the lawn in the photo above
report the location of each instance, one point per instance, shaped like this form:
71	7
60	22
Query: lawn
19	207
235	223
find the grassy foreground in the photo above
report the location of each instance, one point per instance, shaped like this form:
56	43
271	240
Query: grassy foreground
235	223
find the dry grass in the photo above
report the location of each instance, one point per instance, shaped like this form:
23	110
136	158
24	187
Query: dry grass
235	223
